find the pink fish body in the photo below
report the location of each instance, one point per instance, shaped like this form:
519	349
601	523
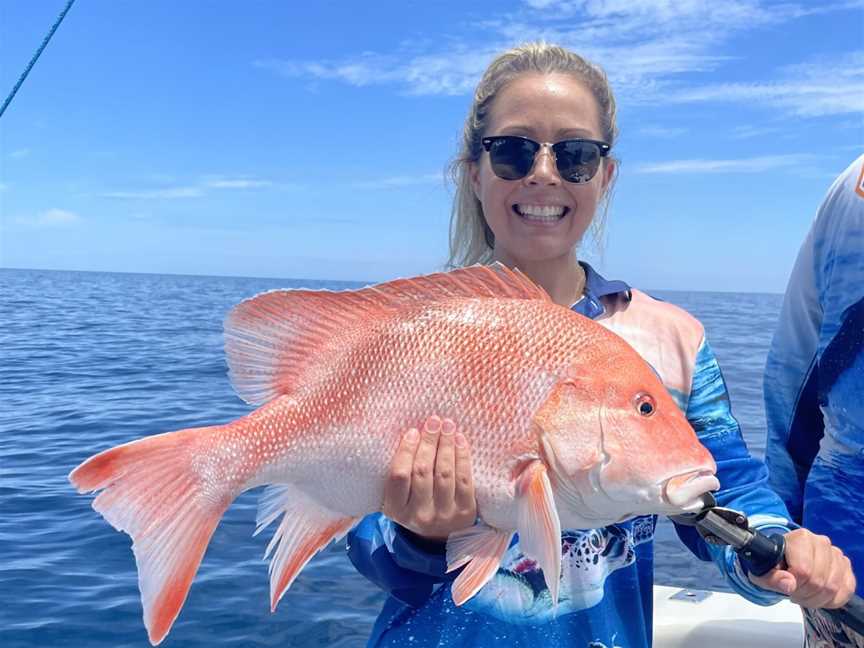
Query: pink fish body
568	427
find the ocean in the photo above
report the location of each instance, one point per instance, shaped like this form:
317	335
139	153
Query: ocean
89	360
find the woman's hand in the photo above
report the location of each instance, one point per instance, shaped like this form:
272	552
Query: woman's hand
429	489
817	574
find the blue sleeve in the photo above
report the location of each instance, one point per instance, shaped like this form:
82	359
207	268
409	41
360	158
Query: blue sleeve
390	557
743	478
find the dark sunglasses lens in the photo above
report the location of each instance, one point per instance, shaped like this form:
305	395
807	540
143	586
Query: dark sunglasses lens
512	157
577	161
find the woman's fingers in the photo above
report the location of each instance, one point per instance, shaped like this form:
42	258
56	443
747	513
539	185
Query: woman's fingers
445	468
397	490
430	490
464	486
424	464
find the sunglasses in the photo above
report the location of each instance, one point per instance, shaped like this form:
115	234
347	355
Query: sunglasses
512	157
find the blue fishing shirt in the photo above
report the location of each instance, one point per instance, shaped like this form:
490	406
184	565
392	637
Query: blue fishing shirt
814	376
606	588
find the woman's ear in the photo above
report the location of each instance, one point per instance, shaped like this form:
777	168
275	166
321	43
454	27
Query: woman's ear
610	168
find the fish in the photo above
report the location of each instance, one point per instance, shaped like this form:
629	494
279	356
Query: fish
568	427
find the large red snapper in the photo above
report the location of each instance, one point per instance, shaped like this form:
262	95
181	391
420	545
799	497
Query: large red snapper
568	427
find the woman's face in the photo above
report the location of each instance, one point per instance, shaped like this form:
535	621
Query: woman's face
540	217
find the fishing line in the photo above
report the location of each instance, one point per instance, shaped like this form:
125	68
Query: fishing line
36	56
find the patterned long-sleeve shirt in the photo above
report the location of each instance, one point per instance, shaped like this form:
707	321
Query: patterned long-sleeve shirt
606	588
814	377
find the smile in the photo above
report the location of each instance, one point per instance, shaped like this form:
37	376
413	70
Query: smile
541	213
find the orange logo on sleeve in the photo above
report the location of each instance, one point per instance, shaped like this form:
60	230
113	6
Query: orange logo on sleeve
859	187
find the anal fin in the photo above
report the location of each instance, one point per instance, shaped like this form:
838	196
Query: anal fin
479	548
305	529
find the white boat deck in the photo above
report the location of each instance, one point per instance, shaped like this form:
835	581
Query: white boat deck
705	619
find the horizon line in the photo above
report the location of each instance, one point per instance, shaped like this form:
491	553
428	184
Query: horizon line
359	284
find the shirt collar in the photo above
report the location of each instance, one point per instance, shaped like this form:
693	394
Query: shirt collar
597	287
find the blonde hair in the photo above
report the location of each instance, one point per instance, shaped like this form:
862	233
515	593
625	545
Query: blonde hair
471	239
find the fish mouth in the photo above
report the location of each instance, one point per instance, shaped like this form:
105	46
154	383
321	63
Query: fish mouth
685	491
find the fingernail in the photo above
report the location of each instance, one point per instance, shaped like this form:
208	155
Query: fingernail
433	424
787	586
461	441
448	427
411	435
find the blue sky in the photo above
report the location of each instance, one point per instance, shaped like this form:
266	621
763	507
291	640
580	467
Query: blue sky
310	140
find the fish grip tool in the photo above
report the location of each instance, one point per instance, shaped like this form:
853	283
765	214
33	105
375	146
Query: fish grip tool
758	553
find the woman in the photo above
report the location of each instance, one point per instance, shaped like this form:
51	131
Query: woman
534	170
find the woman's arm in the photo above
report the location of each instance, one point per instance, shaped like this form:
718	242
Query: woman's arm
743	478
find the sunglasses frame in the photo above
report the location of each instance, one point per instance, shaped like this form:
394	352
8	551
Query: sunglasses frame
603	147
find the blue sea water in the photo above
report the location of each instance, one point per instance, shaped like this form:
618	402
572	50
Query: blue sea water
91	360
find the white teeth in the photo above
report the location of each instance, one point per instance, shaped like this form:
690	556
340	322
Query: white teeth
541	212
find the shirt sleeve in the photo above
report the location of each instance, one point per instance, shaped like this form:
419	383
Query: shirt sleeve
743	478
397	561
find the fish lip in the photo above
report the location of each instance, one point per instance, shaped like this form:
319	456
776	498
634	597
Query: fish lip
684	491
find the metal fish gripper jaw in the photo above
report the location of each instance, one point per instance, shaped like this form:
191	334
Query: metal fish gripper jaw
722	526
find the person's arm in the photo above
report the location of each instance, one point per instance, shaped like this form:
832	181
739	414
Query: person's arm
743	478
392	557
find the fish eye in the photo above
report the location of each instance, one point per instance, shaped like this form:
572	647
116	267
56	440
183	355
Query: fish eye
645	405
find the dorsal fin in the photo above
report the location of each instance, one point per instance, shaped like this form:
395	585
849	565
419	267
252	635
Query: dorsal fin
496	280
272	339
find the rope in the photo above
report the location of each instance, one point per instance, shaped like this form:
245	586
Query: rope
36	56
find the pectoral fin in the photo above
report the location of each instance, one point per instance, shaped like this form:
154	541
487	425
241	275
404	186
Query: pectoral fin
539	526
480	549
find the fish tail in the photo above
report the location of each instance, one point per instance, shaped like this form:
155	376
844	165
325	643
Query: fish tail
155	490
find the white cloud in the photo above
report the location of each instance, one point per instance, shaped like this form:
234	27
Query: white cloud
190	191
661	131
748	131
169	193
646	46
51	218
742	165
805	90
20	153
645	42
446	74
236	183
401	181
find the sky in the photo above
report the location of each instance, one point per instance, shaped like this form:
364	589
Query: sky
311	140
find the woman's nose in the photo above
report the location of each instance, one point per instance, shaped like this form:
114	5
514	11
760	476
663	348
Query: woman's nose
544	170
